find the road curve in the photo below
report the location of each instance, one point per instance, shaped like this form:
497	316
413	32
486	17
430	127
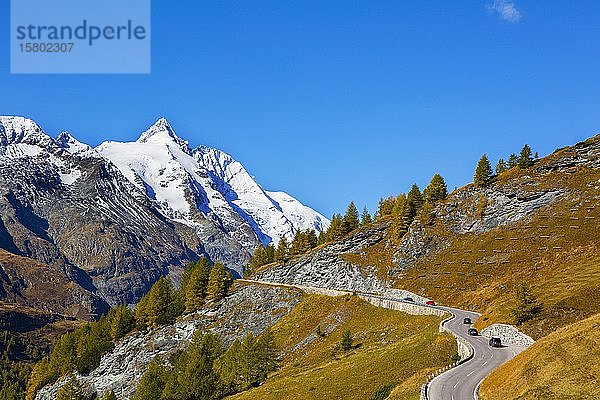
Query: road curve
462	382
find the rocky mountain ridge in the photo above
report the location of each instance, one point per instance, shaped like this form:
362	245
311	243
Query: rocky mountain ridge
115	218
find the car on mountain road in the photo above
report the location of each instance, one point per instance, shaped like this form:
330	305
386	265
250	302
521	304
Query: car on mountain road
472	332
467	320
431	303
409	299
495	341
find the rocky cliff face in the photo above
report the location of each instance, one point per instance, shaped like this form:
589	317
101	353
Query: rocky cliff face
326	267
250	309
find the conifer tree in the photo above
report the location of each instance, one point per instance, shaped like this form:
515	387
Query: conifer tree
300	243
269	254
219	281
160	306
282	251
322	239
71	391
513	160
194	286
385	207
528	307
312	239
350	221
525	157
153	381
501	166
247	362
436	190
193	375
346	342
399	224
414	201
483	172
109	395
426	214
336	229
122	321
365	217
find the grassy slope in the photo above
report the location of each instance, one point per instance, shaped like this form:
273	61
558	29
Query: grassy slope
556	251
392	348
563	365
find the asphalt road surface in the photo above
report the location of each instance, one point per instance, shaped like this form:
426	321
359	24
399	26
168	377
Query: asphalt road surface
462	382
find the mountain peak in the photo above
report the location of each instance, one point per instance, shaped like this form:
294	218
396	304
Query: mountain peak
68	142
21	130
162	131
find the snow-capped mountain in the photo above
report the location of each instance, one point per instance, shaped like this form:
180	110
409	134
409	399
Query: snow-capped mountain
116	217
184	182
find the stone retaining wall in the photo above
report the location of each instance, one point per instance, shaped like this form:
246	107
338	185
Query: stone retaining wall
508	334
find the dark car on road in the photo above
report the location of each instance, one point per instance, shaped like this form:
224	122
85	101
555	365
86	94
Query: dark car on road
431	303
472	332
495	341
467	320
409	299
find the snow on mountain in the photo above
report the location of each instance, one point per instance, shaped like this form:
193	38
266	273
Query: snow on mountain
270	219
301	216
23	138
184	182
203	188
66	141
14	130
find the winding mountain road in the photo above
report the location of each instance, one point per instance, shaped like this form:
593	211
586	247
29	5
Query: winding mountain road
462	382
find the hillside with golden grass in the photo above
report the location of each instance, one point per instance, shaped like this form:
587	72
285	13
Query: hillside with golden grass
563	365
390	350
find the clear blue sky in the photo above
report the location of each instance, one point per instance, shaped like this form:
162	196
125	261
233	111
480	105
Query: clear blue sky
335	101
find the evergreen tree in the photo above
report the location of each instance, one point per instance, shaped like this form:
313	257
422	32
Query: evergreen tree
365	217
247	363
436	190
194	283
71	391
346	342
262	256
385	207
160	306
336	229
483	172
193	376
92	341
322	239
122	321
513	160
501	166
219	282
399	224
414	201
282	251
528	307
109	395
525	157
300	243
269	254
312	238
426	214
153	381
350	221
